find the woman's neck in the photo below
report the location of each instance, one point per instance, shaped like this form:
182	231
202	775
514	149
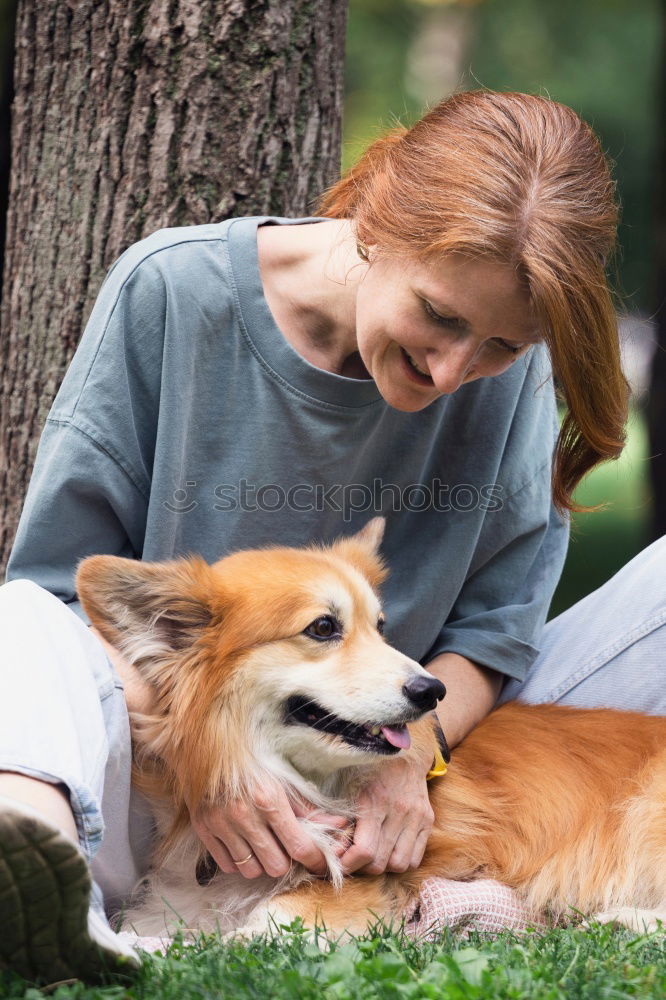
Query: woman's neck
310	274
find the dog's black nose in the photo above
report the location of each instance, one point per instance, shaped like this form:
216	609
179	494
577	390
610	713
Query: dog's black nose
424	692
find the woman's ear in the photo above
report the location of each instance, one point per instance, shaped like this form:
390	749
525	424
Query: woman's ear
147	610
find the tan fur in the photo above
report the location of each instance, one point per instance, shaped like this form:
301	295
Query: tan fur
567	806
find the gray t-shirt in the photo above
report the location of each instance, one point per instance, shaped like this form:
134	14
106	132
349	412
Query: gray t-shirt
187	423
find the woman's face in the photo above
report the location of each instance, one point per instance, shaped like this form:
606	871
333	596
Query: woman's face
458	320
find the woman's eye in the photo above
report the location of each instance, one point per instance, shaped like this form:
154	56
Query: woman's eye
455	323
326	627
452	321
380	625
505	345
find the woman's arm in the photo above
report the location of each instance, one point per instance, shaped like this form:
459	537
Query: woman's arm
90	486
471	692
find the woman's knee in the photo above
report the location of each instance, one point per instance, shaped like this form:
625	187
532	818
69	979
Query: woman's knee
609	648
26	594
39	632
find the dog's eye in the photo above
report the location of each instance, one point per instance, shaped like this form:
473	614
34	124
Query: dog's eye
326	627
380	625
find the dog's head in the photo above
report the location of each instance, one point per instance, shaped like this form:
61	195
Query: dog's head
270	655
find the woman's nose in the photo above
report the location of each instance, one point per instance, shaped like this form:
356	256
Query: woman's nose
451	364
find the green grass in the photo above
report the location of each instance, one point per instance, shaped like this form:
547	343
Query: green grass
561	964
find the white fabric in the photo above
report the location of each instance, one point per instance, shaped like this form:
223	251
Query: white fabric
63	719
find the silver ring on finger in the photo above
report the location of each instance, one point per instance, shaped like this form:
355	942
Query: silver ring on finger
243	861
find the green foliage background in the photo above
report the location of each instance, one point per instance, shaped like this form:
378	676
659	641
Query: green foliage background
601	57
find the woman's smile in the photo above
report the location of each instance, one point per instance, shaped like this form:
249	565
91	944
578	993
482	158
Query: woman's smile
414	371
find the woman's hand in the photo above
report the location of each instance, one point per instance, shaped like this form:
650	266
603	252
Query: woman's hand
262	835
395	818
253	838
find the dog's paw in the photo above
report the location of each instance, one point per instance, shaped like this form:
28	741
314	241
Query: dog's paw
263	920
639	921
242	934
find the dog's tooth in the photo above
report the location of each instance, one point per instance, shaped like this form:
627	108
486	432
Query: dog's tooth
376	730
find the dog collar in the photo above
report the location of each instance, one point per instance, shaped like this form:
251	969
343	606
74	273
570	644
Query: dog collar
442	752
438	766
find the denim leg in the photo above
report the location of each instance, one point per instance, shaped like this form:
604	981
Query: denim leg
608	650
53	680
63	719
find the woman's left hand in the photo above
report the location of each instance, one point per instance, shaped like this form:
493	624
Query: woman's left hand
395	819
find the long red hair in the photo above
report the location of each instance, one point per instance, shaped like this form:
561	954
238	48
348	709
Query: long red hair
521	179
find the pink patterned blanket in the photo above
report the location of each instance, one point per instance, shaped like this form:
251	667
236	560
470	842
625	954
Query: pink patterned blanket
485	905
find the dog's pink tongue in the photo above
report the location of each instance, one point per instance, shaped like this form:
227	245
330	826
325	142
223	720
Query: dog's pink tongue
397	736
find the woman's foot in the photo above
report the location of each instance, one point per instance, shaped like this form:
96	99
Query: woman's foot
48	931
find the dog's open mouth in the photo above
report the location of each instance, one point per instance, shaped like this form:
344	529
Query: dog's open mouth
378	737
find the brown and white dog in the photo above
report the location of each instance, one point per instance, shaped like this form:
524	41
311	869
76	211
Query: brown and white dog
272	662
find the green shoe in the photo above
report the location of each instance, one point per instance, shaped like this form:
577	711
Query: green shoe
48	930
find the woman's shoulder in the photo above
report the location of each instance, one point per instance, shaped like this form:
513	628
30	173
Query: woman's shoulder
182	255
169	250
165	298
532	424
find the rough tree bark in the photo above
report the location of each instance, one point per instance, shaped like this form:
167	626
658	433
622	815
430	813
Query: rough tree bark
656	412
7	21
131	115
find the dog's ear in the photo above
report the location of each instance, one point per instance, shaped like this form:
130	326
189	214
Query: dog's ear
371	534
362	551
155	608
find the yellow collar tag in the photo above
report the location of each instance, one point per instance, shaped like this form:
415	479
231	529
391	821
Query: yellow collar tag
438	766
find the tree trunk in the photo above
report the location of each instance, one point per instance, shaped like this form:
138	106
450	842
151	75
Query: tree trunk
131	115
7	22
656	411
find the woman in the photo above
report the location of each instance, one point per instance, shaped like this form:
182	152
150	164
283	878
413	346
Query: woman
271	379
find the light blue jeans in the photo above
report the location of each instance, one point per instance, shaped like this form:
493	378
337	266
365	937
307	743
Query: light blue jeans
63	719
608	650
63	716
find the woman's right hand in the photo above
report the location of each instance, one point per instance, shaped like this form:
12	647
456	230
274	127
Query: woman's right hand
265	830
263	836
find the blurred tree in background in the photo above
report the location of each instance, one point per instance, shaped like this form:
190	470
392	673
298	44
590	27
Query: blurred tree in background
656	409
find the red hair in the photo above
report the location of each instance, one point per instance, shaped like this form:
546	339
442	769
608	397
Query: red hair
523	180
